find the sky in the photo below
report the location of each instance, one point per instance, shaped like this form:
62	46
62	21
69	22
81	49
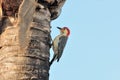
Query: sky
93	48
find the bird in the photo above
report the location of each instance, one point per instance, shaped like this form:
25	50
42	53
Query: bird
59	43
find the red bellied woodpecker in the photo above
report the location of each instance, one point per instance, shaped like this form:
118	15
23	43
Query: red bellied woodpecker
59	43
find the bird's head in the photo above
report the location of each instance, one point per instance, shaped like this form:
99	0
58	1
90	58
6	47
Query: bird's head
65	31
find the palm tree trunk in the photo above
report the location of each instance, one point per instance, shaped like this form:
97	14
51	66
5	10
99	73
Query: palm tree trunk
25	40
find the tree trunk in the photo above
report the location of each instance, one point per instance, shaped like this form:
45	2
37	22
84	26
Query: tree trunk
25	38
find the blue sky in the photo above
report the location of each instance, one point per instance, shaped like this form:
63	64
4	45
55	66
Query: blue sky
93	48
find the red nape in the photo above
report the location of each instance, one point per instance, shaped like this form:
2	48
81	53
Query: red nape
67	30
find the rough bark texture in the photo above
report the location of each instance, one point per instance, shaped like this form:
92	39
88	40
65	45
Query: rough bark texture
25	38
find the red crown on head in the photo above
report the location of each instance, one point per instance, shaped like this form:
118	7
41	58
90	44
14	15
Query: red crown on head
68	30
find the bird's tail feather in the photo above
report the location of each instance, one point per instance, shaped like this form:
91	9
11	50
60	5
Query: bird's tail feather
54	57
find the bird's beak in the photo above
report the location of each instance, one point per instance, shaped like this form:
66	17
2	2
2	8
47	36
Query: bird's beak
59	28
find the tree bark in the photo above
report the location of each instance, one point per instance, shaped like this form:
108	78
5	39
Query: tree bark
25	38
